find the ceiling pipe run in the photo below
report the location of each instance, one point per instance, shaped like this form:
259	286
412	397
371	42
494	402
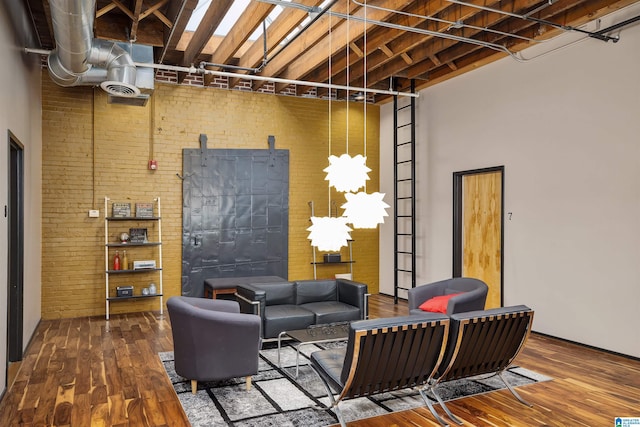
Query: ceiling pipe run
79	59
201	70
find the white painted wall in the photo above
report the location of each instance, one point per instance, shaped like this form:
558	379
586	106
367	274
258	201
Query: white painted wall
566	127
20	112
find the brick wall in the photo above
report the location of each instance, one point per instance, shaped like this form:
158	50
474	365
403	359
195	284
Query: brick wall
92	149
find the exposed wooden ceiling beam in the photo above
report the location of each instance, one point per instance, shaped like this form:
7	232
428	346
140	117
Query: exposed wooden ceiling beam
212	18
312	58
136	19
123	8
406	58
385	49
304	43
179	13
443	48
117	27
166	21
251	18
153	9
105	9
288	19
354	47
380	36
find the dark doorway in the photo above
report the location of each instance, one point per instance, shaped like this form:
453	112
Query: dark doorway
15	215
478	228
235	215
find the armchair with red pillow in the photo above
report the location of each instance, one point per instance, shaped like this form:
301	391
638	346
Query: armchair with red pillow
450	296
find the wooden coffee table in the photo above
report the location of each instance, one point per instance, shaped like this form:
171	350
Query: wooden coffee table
227	285
315	334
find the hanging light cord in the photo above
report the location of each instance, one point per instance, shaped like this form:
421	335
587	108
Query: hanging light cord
365	85
348	69
330	95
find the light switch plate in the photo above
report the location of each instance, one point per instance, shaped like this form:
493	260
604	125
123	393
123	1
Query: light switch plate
94	213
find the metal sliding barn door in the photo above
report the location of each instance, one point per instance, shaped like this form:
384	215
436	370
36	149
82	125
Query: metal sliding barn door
235	215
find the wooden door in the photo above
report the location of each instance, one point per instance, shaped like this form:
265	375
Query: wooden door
478	228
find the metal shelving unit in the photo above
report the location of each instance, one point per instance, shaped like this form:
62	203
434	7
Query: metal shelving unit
109	246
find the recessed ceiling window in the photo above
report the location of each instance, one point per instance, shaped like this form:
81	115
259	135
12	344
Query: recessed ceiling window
230	18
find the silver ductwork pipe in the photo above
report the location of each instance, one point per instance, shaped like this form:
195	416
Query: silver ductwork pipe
79	59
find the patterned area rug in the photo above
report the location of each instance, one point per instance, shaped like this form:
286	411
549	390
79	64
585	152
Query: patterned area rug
278	399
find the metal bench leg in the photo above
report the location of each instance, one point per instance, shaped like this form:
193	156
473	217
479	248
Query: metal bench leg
437	416
513	391
334	404
446	408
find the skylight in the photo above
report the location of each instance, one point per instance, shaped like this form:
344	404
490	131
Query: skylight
230	18
198	14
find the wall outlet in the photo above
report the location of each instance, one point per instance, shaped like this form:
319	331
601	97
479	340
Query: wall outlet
94	213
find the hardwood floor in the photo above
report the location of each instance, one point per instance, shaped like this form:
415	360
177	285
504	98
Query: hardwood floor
90	372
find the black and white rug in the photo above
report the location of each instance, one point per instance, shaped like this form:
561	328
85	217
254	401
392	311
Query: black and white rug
277	399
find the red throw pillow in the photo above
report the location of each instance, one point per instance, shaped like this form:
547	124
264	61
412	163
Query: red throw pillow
437	304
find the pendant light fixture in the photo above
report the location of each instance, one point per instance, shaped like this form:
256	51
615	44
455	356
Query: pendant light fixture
346	173
364	210
329	233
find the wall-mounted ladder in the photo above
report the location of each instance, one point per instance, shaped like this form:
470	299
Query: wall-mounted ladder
404	151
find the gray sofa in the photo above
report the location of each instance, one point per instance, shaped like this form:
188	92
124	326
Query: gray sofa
288	306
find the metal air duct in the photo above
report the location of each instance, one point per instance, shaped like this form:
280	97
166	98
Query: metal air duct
79	59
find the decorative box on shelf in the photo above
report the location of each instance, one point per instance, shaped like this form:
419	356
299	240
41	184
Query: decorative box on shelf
144	210
332	257
121	210
144	265
124	291
138	235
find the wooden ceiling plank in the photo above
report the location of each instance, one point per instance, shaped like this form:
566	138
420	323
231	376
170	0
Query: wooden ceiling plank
105	9
383	35
153	8
354	47
309	59
313	41
385	49
162	17
179	13
552	13
212	18
420	47
123	8
117	28
289	19
406	58
409	40
247	23
305	42
136	19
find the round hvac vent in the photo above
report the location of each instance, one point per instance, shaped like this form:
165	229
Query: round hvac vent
120	89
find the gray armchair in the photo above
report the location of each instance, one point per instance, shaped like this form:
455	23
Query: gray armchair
212	340
473	296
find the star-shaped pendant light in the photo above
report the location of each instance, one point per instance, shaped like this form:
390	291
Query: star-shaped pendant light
329	233
346	173
364	210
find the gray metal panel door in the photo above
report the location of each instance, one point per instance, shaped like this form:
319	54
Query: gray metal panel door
235	215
